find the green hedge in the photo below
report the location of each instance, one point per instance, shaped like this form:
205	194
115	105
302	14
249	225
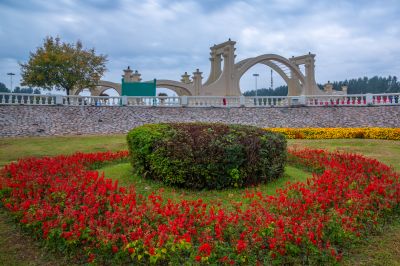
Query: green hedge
205	155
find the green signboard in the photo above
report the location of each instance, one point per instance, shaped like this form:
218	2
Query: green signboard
139	88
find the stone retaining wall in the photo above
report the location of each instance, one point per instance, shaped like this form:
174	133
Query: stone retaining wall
67	120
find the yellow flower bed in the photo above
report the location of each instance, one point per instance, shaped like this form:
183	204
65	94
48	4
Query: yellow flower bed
339	133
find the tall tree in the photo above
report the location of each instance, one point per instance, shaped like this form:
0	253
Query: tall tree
3	88
26	90
63	66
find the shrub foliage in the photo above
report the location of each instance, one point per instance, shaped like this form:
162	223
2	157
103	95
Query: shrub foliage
205	155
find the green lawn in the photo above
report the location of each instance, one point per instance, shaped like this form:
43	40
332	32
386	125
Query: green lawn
12	149
19	249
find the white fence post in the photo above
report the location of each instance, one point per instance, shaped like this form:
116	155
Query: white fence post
242	101
59	100
369	99
124	100
302	99
184	101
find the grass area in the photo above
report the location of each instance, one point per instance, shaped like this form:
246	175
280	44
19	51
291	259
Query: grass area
123	173
382	249
19	249
12	149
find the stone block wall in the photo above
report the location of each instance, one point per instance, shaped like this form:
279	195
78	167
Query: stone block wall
22	120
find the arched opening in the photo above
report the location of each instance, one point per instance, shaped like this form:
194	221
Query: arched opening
167	97
181	89
289	72
109	96
264	85
85	92
160	91
109	92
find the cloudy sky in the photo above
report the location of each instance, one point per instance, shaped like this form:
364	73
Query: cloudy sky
164	38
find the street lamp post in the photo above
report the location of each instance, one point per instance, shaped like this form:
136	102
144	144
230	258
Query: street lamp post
256	76
11	75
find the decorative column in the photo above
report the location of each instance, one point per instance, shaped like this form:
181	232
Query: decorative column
197	82
136	76
328	88
186	78
229	64
127	74
310	74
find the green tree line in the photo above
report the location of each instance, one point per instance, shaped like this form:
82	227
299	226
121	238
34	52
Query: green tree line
363	85
28	90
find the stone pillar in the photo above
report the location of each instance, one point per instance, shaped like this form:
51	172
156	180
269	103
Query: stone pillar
127	74
186	78
217	66
310	74
215	61
229	65
328	88
197	82
135	77
344	89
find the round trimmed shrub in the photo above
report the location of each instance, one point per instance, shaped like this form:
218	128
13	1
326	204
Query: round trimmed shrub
206	155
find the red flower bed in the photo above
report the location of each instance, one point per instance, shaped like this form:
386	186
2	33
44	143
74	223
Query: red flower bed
75	210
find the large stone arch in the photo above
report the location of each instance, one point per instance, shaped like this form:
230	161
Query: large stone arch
296	82
100	87
180	88
245	65
108	84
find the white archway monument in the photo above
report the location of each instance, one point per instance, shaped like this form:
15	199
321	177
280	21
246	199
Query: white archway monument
224	80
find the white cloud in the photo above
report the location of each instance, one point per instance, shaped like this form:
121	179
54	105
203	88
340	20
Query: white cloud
162	38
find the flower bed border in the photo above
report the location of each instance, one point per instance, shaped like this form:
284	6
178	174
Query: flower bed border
339	133
75	210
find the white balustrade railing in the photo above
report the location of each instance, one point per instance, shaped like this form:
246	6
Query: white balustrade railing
76	100
268	101
202	101
337	100
27	99
161	101
386	99
213	101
